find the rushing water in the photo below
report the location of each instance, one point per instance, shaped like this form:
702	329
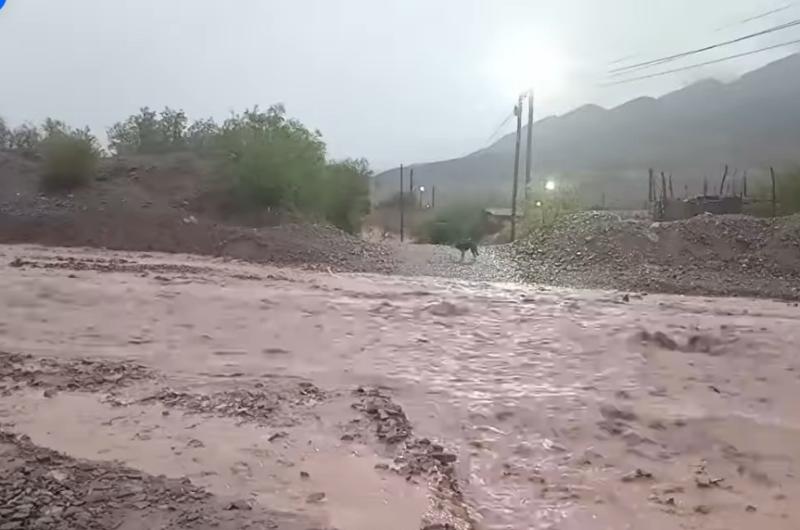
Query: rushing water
552	398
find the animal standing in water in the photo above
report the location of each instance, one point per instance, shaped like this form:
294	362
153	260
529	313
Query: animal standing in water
465	246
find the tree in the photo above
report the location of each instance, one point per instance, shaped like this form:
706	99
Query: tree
172	126
202	135
273	161
25	139
347	193
5	135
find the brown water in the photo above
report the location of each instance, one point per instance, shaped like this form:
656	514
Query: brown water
550	397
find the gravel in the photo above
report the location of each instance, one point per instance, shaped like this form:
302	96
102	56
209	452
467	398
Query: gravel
728	255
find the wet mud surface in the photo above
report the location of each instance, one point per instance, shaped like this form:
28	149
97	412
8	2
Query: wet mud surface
361	401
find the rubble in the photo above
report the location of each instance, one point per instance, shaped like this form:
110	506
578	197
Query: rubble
417	458
43	489
258	405
68	374
728	255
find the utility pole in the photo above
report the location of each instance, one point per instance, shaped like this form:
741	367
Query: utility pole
411	182
433	197
518	113
529	153
402	207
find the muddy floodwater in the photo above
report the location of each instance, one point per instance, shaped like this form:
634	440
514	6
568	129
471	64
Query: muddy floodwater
565	409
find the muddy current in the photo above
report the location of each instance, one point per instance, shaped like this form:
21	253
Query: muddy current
354	401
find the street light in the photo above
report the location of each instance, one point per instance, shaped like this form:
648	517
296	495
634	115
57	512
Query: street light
550	185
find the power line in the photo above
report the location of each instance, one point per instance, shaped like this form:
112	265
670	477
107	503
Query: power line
758	16
499	128
698	65
646	64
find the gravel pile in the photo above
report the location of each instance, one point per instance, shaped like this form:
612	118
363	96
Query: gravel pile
718	255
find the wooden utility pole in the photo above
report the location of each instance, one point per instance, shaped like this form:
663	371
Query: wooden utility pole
433	196
650	187
411	182
671	192
744	184
518	113
772	177
722	184
402	207
529	152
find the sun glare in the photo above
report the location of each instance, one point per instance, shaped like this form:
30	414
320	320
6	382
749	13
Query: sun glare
526	62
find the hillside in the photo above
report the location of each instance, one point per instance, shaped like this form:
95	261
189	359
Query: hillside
167	203
749	123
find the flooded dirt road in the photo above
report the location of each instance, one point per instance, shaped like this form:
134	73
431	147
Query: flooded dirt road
563	409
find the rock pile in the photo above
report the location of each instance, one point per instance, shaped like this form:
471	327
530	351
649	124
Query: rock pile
718	255
42	489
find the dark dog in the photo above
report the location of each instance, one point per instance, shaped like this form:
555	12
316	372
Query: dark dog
465	246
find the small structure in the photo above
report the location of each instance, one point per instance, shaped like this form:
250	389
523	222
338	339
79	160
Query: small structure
676	209
495	219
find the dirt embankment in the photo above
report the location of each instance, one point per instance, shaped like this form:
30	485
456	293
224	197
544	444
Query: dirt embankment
717	255
167	204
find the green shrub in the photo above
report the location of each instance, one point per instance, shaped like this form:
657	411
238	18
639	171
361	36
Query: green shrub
69	156
346	194
272	161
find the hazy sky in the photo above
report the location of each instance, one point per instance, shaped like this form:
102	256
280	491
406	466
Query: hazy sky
392	80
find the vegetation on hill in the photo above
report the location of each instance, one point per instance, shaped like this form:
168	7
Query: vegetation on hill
266	160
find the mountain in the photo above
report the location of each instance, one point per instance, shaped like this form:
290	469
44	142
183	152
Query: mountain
750	124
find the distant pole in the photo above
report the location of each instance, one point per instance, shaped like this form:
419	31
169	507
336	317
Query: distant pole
650	186
671	192
433	196
722	184
705	185
772	177
402	207
529	152
411	182
744	184
518	113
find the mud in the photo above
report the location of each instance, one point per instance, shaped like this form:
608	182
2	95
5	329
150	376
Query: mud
43	489
554	408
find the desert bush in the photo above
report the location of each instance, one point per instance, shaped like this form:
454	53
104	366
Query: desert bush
346	193
272	161
69	156
452	224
